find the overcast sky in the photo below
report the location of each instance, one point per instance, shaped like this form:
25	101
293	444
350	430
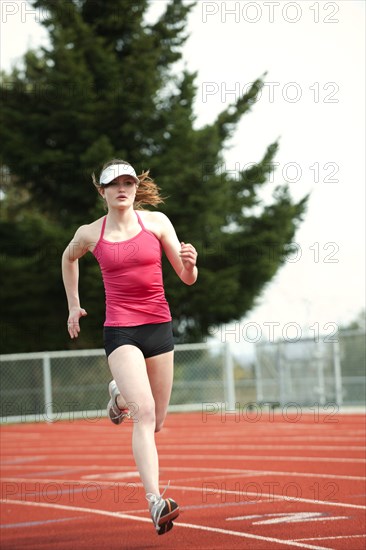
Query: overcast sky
313	99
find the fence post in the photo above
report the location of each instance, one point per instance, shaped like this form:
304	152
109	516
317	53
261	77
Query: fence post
47	385
229	379
258	377
319	362
281	375
337	372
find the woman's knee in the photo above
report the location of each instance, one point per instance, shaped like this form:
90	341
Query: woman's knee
146	411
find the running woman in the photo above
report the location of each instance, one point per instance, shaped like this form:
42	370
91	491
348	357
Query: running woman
138	338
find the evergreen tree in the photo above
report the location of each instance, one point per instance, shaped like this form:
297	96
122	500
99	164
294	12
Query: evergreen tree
106	88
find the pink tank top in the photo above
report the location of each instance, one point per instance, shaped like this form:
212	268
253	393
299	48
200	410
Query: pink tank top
133	279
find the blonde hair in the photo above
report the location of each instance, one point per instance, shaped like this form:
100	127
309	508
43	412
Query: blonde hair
147	191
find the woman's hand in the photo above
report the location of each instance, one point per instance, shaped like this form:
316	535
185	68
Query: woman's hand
73	321
188	255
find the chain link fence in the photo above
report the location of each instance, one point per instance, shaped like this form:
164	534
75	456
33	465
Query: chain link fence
46	386
71	384
312	370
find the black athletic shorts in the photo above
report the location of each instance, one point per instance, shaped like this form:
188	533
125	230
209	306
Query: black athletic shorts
152	339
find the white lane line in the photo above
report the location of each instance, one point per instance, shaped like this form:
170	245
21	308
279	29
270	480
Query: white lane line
251	536
236	477
294	431
310	430
119	515
226	433
334	538
177	524
272	496
267	447
44	467
269	496
10	460
225	440
272	458
208	446
219	472
260	473
292	517
22	483
232	472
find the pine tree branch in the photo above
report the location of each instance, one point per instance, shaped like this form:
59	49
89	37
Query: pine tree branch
226	120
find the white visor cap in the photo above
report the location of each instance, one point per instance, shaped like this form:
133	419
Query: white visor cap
114	171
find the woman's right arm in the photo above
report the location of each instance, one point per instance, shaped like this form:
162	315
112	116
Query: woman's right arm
70	276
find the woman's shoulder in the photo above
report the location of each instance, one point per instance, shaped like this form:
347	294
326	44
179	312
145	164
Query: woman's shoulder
155	222
90	232
152	216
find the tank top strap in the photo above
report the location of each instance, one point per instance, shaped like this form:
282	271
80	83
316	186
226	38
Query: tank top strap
140	220
103	227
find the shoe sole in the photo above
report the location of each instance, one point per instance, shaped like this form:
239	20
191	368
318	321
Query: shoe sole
165	528
116	418
172	512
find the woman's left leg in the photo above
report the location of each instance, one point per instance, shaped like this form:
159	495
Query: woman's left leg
160	369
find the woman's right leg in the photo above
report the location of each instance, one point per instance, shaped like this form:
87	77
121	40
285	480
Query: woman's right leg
128	368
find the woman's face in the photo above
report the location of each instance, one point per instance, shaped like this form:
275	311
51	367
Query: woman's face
120	193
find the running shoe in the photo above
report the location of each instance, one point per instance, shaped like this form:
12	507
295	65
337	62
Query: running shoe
116	414
162	512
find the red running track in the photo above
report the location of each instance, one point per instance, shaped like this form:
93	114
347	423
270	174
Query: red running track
267	481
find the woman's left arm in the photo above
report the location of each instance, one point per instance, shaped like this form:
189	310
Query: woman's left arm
182	256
